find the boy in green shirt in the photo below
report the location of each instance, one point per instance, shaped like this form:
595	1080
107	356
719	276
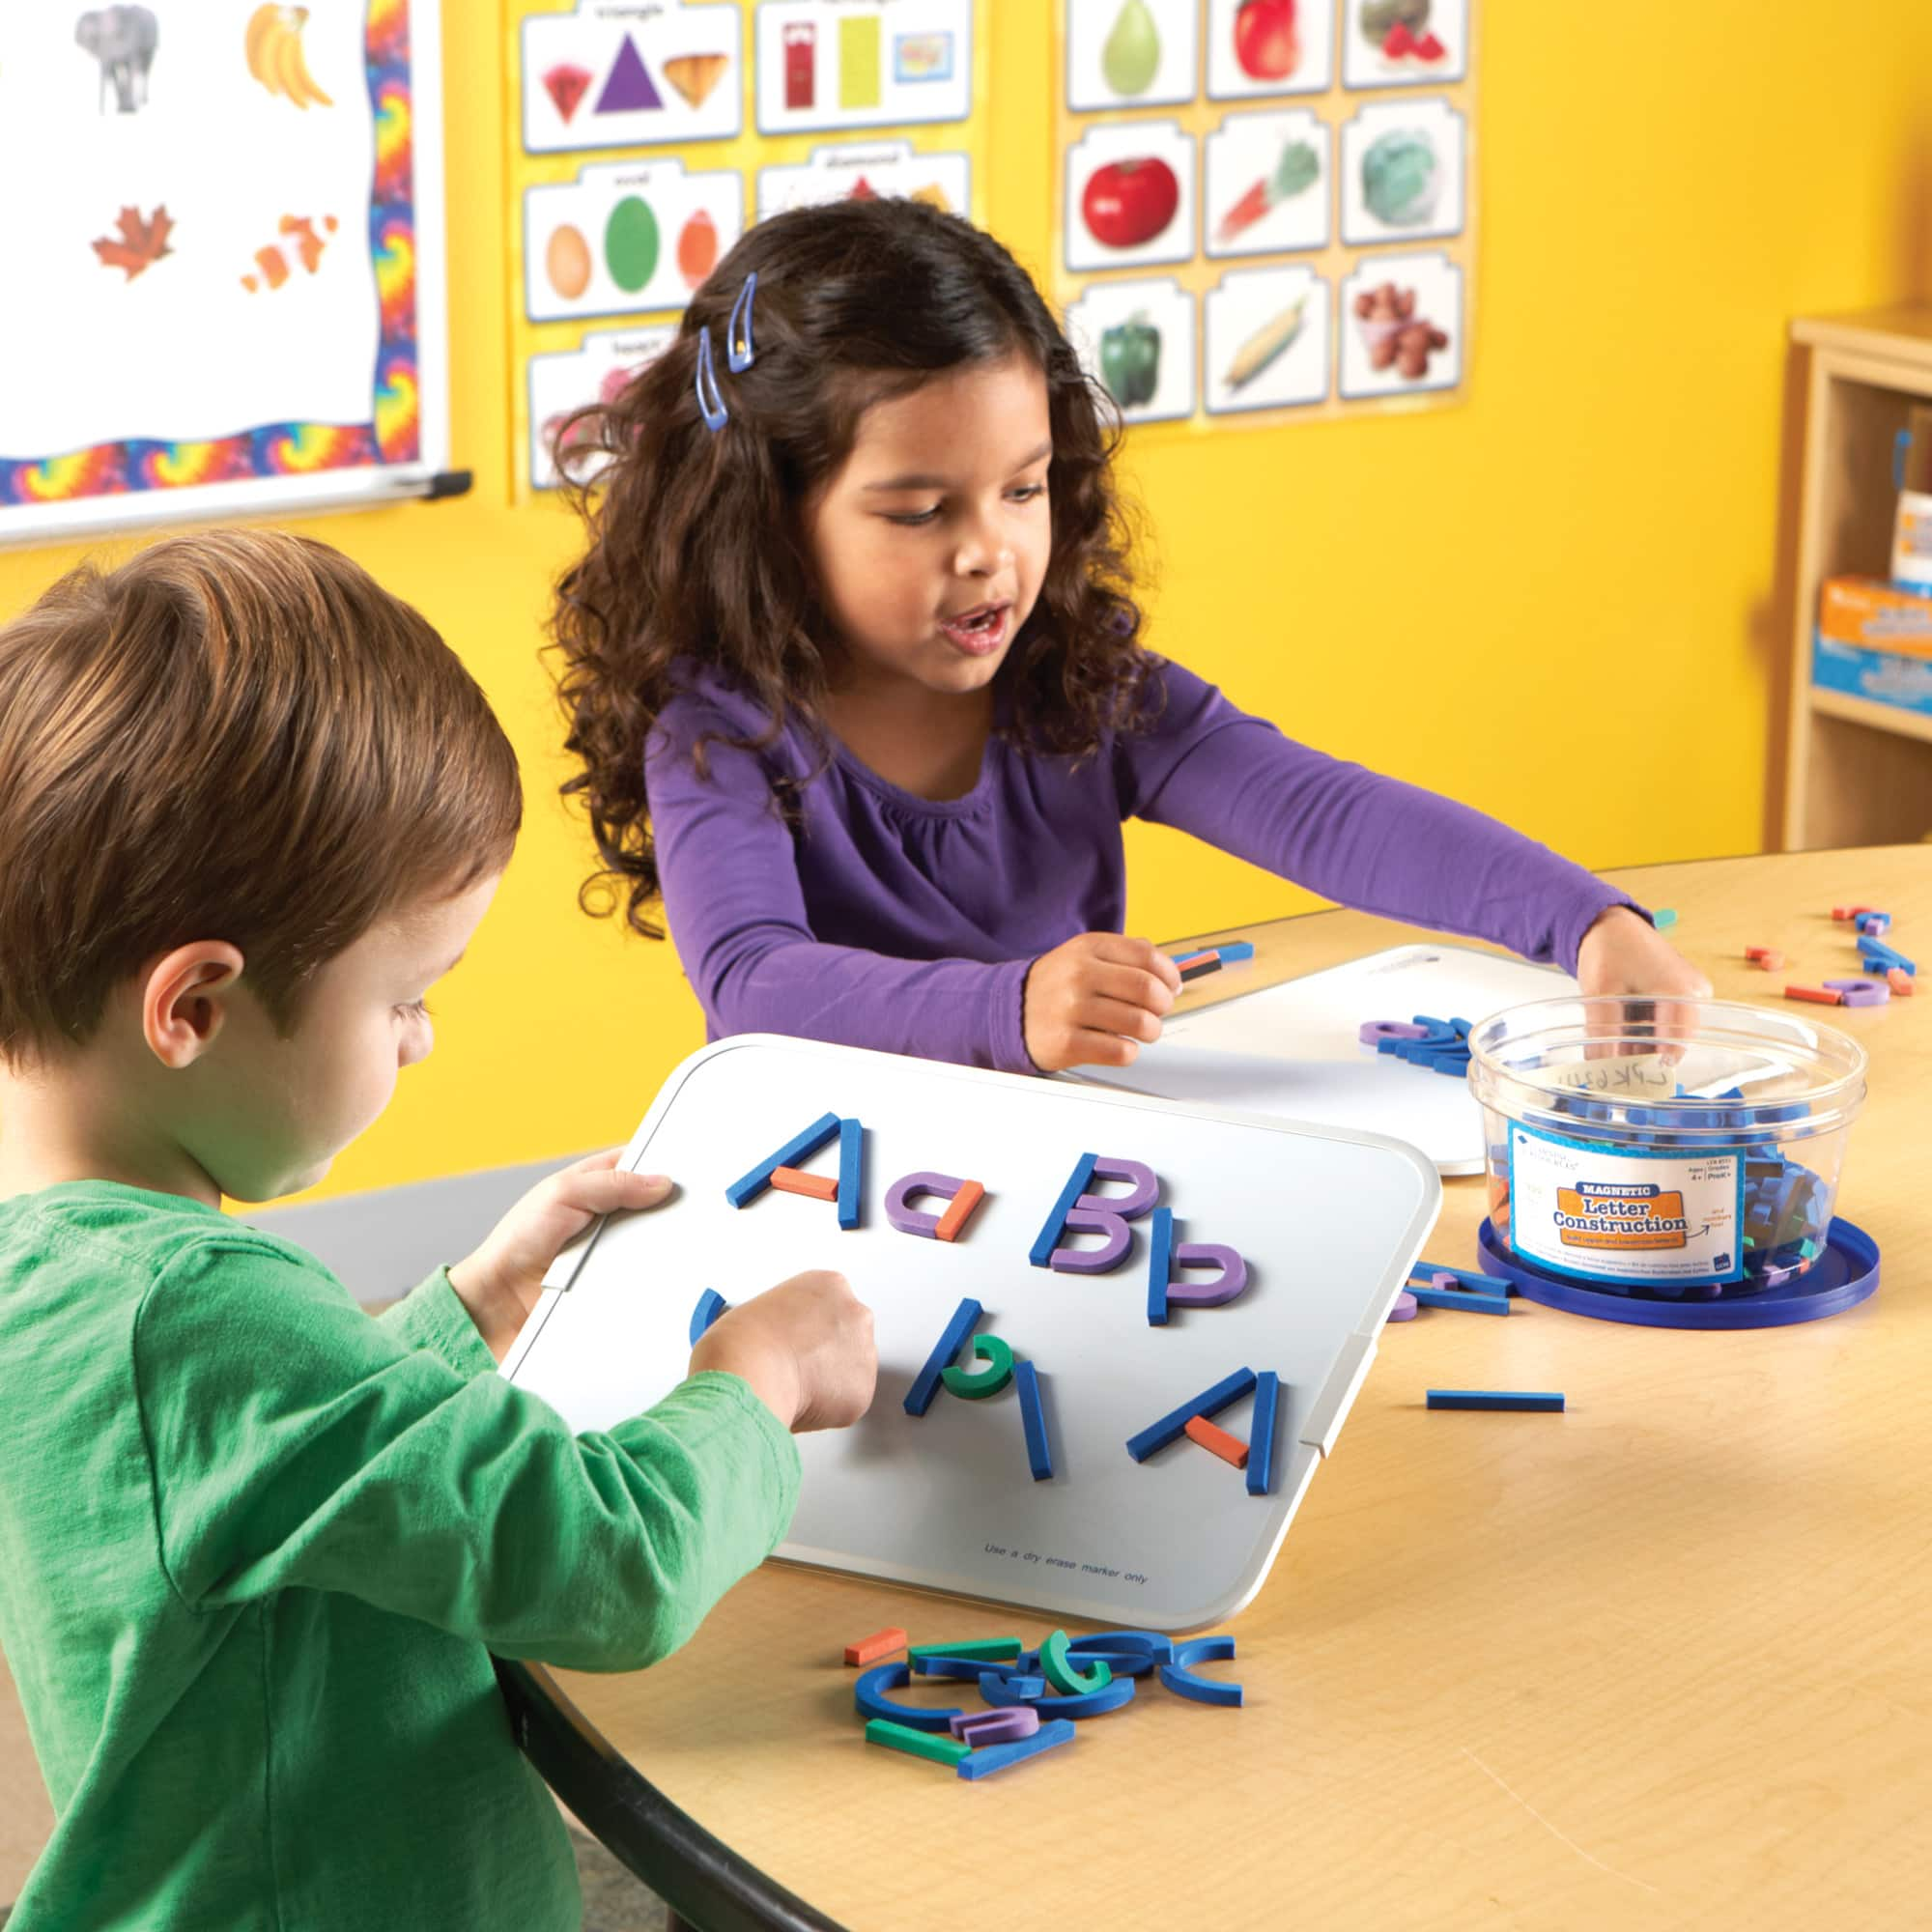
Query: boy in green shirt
255	1547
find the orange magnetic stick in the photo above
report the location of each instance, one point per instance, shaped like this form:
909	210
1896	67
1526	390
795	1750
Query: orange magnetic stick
1229	1448
1821	995
869	1649
959	1211
816	1187
1901	983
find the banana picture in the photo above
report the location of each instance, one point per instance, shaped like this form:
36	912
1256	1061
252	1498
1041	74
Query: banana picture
275	58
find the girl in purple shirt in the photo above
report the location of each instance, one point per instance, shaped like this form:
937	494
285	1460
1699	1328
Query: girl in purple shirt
854	669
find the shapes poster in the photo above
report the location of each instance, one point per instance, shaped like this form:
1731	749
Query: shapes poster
855	170
597	370
862	63
228	268
625	237
1265	208
645	135
622	76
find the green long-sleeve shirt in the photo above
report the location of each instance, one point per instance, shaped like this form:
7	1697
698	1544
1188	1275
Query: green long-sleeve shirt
252	1548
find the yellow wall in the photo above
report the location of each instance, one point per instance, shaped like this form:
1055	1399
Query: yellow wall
1553	602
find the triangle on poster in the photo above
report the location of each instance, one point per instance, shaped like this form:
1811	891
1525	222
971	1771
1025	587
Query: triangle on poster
629	89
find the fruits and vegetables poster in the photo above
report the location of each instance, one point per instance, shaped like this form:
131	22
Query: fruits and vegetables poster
224	238
1266	206
645	135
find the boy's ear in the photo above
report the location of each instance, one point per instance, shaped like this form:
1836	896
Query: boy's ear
183	1000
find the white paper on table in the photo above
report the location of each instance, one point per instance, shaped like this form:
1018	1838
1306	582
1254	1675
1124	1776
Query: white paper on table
1296	1049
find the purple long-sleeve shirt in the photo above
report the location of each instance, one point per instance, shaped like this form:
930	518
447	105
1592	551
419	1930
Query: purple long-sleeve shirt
890	921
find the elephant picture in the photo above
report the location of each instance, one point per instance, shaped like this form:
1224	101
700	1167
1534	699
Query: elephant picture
123	39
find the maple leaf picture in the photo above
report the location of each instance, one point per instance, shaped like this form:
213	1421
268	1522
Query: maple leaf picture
142	240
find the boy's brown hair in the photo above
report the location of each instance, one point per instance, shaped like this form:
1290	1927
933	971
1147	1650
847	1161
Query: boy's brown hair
236	735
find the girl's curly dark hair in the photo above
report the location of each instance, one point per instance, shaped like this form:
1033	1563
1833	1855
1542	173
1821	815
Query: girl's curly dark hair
697	553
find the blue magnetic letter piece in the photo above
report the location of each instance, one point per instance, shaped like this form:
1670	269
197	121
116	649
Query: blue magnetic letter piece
989	1758
1010	1687
1158	1647
1048	1237
919	1398
868	1695
1537	1399
1462	1297
710	1306
1161	1264
851	1171
1110	1696
1033	1416
1261	1434
1209	1401
1179	1678
1469	1278
749	1186
1236	949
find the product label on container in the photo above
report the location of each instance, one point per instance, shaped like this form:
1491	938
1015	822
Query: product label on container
1627	1217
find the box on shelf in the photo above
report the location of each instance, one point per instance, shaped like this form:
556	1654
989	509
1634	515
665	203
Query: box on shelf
1872	615
1883	677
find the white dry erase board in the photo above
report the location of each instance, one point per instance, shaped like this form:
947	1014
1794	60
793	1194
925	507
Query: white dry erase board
1294	1049
1327	1222
223	239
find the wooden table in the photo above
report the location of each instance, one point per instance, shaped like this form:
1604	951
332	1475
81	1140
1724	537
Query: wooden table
1663	1661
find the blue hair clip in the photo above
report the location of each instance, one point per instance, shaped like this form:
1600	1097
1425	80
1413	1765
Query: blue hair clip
710	404
739	347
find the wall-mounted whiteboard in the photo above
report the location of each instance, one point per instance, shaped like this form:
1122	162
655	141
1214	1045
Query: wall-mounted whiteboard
223	237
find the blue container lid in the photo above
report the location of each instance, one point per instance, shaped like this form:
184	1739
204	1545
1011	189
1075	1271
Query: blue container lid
1844	1274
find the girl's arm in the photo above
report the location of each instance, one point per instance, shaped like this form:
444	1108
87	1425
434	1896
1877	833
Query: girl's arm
736	910
1351	835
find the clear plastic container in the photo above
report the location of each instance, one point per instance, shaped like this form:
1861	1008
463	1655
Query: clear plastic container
1673	1149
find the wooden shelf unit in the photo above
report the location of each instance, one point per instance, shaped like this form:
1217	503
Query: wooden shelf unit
1857	773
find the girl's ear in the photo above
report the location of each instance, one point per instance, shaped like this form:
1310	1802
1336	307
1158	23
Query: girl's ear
184	999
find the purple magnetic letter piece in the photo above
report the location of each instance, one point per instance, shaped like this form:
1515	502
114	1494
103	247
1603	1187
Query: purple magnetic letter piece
1869	994
996	1727
1209	1294
909	1220
1129	1207
1374	1032
1092	1261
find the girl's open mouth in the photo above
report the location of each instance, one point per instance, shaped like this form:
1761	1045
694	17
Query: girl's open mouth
979	632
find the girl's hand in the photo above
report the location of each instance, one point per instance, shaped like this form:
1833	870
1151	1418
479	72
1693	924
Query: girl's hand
501	1282
1623	952
1094	1000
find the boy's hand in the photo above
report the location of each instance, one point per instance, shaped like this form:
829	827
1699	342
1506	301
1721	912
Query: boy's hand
1623	952
501	1282
805	1348
1094	1000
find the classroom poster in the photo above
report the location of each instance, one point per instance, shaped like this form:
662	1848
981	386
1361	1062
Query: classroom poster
223	231
1264	209
645	135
